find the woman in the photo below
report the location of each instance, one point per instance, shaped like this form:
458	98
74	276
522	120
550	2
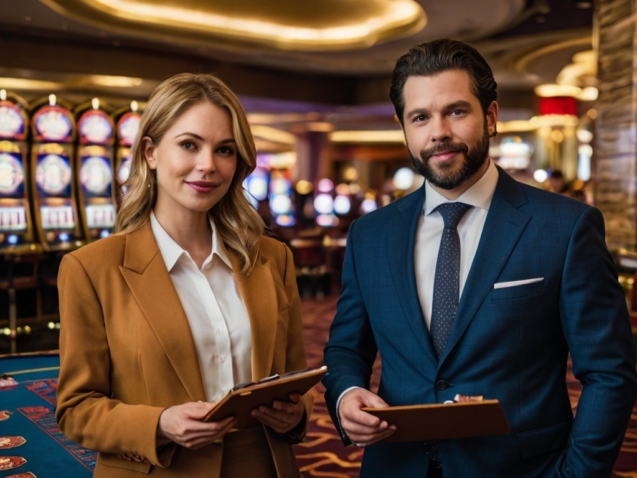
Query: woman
161	320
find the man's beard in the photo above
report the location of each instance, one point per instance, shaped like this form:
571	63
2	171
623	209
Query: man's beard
447	175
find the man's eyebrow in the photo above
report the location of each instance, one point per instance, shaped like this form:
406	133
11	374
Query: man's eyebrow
451	106
458	104
417	112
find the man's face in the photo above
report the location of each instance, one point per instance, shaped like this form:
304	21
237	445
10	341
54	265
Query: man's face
446	130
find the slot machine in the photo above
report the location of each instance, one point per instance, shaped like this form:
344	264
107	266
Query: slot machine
17	233
52	170
96	194
127	123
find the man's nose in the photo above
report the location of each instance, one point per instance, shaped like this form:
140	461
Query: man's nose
440	130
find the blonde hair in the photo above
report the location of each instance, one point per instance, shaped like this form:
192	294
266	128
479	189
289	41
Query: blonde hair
238	222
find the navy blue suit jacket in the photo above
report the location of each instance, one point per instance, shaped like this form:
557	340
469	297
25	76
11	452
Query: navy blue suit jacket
509	344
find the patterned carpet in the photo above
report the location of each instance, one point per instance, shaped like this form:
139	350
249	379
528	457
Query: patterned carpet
322	453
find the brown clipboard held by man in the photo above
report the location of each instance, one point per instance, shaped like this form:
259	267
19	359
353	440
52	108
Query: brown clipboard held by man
444	420
244	398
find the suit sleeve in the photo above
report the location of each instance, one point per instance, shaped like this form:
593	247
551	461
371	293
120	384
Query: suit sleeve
597	328
85	412
351	349
295	353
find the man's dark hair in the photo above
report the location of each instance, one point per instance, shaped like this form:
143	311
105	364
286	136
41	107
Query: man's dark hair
431	58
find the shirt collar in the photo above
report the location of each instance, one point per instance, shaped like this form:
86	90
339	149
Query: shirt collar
479	195
171	251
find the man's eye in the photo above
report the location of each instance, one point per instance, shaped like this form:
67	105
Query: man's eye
457	112
420	118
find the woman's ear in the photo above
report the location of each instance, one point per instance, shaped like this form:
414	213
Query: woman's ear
149	151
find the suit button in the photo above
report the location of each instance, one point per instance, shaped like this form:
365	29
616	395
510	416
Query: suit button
441	385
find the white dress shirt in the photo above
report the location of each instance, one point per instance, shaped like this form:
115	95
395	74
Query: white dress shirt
215	310
430	229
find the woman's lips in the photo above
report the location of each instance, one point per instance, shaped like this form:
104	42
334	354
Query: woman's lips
202	186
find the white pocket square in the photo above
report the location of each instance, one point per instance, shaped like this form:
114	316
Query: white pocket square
515	283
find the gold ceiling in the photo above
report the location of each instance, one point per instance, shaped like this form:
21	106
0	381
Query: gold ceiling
280	24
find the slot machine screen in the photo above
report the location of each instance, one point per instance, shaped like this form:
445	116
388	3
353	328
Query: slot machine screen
11	122
53	175
56	217
13	215
52	123
95	128
53	182
124	169
100	216
96	176
127	128
96	182
11	176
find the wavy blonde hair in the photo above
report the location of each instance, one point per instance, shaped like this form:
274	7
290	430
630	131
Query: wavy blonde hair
238	222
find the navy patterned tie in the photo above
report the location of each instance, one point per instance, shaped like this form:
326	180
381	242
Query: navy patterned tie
447	280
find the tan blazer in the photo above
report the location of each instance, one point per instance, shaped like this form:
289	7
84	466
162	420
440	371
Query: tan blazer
127	352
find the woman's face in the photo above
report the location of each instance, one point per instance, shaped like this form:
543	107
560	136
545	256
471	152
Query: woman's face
195	161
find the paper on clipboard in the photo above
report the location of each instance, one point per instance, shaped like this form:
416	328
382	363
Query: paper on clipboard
244	398
441	421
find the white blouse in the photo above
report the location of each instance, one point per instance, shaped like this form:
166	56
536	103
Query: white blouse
215	310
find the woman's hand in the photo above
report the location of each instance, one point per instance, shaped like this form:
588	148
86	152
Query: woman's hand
183	424
281	416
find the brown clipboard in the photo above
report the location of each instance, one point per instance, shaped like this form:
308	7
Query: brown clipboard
442	421
244	398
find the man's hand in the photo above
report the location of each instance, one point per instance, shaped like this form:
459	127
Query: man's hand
361	427
183	424
281	416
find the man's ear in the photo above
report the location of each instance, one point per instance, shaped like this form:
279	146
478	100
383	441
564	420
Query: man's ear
492	118
149	151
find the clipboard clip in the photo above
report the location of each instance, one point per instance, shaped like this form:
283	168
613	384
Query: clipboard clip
271	378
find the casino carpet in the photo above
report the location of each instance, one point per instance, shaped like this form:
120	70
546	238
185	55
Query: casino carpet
322	453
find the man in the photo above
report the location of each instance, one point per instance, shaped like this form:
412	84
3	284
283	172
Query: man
478	285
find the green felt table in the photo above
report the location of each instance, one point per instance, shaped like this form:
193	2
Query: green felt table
28	411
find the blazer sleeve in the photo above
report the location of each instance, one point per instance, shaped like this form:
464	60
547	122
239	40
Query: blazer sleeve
597	328
85	412
295	352
351	349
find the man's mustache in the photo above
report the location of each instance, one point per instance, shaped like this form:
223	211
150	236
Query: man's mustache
425	154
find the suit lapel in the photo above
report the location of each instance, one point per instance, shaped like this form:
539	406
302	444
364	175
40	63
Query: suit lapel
401	244
259	295
502	229
145	272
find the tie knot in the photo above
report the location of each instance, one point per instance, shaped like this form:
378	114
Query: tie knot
452	212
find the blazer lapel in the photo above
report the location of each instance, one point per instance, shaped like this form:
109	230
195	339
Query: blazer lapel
259	295
401	242
502	229
145	273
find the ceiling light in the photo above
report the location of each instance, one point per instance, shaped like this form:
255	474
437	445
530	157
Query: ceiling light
384	136
273	134
28	84
590	93
104	80
550	90
390	19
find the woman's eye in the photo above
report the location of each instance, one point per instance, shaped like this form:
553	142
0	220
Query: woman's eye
225	150
188	145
